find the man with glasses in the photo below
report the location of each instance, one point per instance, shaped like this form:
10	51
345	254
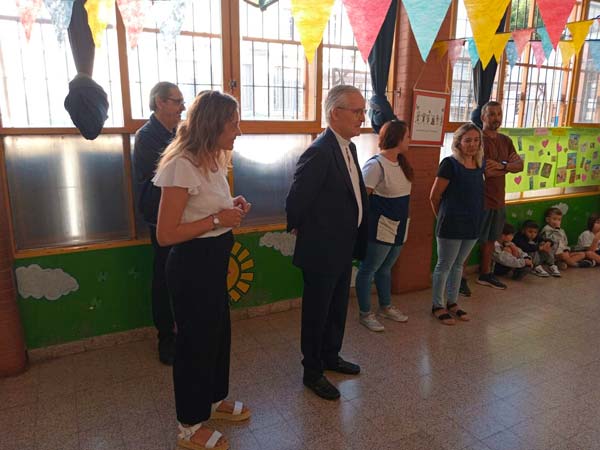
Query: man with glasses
167	104
326	209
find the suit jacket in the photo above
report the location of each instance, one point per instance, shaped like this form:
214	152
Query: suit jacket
322	206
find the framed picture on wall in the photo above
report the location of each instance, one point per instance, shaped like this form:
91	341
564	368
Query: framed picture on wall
430	115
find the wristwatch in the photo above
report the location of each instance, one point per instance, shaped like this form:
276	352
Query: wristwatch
504	164
216	222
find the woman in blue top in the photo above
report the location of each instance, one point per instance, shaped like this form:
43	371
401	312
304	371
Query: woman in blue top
457	201
388	177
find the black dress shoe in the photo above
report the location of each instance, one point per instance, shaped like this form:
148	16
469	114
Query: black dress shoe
323	388
343	366
166	350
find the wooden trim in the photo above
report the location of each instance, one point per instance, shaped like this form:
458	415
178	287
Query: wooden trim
58	131
572	103
34	253
318	83
553	197
123	70
230	20
129	184
260	228
6	198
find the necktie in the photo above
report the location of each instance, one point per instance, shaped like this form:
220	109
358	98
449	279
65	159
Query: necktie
349	159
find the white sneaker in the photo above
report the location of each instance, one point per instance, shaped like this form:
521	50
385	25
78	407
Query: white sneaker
554	270
392	313
370	321
540	272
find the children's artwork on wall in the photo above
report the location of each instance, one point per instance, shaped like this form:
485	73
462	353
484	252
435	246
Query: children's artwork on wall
51	284
555	157
239	276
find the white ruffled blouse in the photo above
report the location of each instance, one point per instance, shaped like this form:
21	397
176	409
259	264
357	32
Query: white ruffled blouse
209	192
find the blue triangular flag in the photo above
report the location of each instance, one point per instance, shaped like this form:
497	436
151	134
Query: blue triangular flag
473	53
594	53
425	21
511	53
546	42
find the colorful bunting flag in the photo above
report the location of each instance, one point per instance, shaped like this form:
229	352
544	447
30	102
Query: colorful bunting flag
521	38
511	53
100	13
555	14
485	16
440	47
425	21
310	17
567	50
473	54
366	18
133	13
499	44
594	49
579	31
538	53
60	14
546	42
169	17
28	12
455	48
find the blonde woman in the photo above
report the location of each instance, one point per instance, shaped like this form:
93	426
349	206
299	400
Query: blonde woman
196	216
457	202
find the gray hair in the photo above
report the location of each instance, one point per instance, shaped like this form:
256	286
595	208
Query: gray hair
336	98
488	105
160	89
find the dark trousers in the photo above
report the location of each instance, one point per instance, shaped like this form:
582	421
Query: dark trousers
324	308
162	312
197	279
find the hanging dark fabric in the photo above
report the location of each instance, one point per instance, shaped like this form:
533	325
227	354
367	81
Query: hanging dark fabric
86	102
380	110
483	82
262	4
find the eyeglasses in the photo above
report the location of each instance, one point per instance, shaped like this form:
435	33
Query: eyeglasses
357	112
177	101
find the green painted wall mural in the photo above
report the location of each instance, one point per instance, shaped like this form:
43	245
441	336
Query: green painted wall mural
555	157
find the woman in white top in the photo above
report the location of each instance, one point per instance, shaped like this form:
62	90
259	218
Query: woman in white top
388	178
196	216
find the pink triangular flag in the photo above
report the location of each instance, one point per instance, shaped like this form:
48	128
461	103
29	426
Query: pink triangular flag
538	53
133	13
28	11
555	14
521	38
455	48
366	18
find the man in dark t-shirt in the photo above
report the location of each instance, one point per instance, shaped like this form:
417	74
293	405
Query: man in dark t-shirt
167	104
500	159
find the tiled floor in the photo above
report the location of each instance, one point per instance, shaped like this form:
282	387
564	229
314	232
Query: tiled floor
524	374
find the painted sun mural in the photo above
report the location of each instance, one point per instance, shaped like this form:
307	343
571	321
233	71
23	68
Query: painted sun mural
239	276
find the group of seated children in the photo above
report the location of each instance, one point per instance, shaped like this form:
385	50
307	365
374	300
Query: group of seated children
544	252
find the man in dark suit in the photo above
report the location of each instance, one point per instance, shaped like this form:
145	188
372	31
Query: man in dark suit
326	209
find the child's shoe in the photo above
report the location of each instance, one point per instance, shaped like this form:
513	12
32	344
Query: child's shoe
554	271
540	272
586	263
562	265
464	289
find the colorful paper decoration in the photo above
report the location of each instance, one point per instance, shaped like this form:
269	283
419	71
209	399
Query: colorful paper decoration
521	38
440	47
579	31
366	18
555	14
133	13
310	17
28	12
100	14
567	50
425	21
473	54
511	53
169	17
594	49
538	53
498	44
485	16
546	42
60	14
455	48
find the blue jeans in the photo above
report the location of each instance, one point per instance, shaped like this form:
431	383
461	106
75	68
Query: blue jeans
452	254
377	264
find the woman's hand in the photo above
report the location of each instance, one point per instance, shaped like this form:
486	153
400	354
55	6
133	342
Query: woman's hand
242	203
230	218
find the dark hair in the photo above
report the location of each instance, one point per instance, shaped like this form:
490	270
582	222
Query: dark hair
530	224
160	89
390	135
508	229
554	211
592	220
490	104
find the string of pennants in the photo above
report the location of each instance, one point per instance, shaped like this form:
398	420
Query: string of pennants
366	18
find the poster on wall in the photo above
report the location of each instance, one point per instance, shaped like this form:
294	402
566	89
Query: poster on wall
430	114
555	157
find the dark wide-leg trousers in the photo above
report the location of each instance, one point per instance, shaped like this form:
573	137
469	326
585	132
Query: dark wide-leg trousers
162	312
324	308
197	280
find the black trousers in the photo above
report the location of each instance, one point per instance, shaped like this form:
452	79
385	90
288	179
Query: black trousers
324	308
197	279
162	312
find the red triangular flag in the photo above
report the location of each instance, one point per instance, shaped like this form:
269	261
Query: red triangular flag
455	48
366	18
538	53
521	38
555	14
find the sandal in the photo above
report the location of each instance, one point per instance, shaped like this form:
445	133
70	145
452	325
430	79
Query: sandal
443	317
459	313
184	439
238	414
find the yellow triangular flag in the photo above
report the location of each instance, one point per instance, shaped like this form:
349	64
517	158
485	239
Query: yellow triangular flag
441	47
311	17
498	44
567	50
579	30
100	14
485	16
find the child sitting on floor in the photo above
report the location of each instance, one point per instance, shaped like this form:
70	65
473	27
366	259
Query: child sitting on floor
540	250
562	252
508	256
589	240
